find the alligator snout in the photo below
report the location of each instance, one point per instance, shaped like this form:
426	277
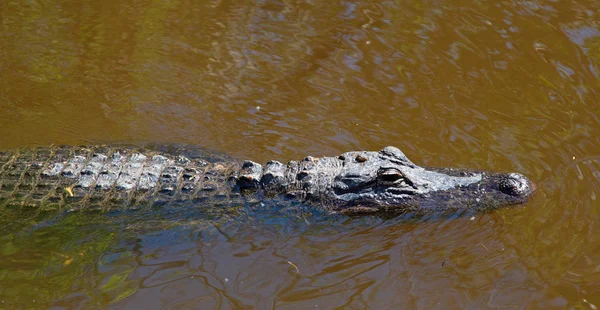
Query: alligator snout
516	184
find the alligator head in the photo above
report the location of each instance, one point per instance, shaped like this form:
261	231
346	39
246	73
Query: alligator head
388	182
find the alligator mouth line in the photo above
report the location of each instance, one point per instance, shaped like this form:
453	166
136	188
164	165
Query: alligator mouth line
401	191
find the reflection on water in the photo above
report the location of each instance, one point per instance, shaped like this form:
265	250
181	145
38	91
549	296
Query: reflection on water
504	86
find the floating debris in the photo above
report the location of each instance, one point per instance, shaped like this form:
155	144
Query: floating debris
297	270
69	190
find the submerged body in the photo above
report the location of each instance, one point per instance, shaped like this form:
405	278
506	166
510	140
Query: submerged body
355	182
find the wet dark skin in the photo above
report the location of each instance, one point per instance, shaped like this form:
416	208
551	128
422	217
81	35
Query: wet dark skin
361	182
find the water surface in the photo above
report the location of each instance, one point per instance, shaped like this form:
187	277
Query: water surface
502	86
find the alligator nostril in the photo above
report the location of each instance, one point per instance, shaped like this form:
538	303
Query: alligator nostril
516	185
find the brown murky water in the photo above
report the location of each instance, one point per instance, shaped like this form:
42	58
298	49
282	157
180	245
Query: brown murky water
504	85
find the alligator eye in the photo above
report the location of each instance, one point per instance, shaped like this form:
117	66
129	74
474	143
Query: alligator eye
390	175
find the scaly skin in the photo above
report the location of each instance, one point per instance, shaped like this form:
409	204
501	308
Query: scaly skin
104	177
386	182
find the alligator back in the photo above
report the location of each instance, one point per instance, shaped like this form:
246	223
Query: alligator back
103	177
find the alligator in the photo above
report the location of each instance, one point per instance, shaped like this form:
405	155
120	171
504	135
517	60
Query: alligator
359	182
